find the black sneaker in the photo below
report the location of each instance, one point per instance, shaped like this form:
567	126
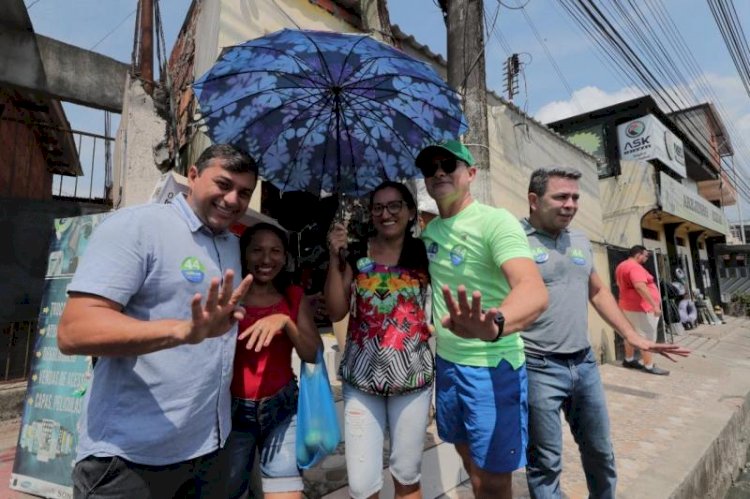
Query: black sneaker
656	370
632	364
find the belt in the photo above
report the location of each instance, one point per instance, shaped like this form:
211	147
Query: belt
561	356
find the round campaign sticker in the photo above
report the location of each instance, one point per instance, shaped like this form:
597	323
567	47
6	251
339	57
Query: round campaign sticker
192	269
458	253
365	264
432	251
540	255
576	256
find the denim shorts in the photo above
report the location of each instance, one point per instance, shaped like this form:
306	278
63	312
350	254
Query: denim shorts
485	408
268	425
366	417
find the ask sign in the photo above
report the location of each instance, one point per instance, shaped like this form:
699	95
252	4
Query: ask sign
646	138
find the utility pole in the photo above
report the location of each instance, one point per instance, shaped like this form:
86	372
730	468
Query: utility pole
466	73
145	44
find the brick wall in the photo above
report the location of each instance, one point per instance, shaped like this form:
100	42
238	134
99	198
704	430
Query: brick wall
23	170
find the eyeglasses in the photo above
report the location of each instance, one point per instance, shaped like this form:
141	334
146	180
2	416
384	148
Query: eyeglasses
448	165
393	207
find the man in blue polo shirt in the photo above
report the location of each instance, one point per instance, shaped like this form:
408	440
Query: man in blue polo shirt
562	370
158	409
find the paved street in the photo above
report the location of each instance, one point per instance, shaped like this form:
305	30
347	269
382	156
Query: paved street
662	427
670	433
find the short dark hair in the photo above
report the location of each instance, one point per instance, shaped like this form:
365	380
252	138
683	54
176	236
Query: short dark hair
637	250
232	159
540	177
282	281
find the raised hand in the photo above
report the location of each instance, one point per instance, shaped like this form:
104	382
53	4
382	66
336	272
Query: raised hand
337	238
261	333
469	321
220	311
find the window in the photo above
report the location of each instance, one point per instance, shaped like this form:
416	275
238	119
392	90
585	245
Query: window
649	234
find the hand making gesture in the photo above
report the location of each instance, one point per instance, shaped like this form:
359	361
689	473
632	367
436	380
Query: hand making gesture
219	313
469	321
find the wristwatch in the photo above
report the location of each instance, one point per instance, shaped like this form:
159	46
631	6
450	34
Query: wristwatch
499	320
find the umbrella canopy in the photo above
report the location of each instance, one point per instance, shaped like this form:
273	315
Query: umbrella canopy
327	112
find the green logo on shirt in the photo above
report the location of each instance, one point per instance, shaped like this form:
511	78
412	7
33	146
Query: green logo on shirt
458	253
540	254
577	256
192	269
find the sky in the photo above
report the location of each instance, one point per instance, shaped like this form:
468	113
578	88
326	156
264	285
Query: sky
107	27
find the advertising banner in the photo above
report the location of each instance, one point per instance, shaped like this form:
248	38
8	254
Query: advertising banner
57	383
647	138
678	200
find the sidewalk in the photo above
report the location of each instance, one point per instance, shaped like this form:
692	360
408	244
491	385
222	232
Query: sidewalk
679	436
682	436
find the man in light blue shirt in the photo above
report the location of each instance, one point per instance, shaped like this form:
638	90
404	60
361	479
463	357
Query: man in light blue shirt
158	409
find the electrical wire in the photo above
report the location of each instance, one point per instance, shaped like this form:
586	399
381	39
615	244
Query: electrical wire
113	29
629	36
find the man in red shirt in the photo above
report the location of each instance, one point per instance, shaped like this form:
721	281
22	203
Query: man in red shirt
640	301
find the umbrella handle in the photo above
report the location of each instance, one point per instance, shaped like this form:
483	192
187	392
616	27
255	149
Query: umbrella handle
343	254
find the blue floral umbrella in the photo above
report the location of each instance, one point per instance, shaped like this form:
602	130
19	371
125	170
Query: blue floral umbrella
327	112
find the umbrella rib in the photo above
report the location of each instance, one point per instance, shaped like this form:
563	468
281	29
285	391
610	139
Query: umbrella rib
351	51
377	151
363	127
363	101
299	148
299	61
320	56
317	84
437	81
267	113
309	94
441	85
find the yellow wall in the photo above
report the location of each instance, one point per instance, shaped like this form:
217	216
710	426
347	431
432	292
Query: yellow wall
629	196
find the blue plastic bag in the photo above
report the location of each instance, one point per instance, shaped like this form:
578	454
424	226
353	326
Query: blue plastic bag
318	432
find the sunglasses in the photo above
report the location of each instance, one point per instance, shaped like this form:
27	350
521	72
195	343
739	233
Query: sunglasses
448	165
393	207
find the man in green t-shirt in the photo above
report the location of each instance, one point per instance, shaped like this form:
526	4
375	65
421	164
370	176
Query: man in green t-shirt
480	367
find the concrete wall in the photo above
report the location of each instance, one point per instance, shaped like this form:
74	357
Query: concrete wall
135	172
629	196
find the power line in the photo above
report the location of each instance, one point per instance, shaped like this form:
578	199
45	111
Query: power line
618	33
112	30
552	60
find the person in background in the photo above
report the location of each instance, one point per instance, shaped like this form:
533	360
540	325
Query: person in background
387	366
481	385
277	319
561	366
640	300
158	408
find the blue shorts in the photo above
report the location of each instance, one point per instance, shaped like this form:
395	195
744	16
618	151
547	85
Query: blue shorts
485	408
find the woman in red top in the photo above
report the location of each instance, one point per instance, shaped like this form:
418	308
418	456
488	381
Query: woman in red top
264	389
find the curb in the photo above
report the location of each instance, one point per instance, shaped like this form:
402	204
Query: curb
722	462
